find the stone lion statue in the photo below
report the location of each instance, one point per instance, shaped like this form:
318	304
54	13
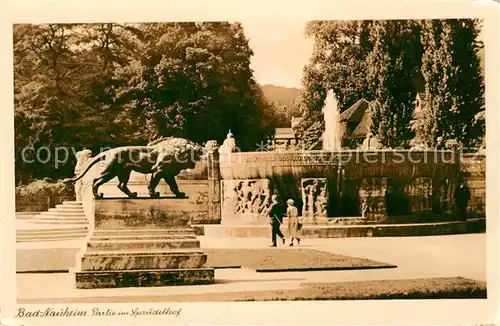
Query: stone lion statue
164	158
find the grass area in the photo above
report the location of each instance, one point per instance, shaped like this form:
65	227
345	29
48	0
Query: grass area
282	260
263	260
431	288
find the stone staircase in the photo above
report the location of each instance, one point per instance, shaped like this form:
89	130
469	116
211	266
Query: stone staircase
66	221
69	212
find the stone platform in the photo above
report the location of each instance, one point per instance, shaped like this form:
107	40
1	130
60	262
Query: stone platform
347	231
141	242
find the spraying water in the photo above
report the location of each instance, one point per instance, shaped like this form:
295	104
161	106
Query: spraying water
332	135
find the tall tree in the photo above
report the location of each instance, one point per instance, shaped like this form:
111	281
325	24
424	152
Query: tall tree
393	63
194	73
311	101
437	70
454	84
467	85
338	63
340	52
105	85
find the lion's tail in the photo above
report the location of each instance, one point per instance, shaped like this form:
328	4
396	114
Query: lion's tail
87	168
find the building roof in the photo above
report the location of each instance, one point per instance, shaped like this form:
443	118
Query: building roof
283	133
356	112
364	125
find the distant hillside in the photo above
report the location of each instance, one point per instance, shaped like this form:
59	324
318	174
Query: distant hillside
283	99
279	95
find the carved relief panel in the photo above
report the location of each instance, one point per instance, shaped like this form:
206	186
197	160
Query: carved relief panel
314	197
245	200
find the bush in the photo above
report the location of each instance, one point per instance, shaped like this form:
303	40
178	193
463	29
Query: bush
39	195
45	188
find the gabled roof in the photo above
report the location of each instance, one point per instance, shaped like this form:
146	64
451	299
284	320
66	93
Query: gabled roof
356	112
364	125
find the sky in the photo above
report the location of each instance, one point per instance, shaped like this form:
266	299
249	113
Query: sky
281	51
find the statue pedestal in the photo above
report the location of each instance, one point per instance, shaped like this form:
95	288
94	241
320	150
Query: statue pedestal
141	242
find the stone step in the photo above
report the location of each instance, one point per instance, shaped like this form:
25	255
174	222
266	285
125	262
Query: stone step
345	231
67	209
143	237
62	213
140	251
70	236
138	232
142	244
140	261
52	231
47	239
143	278
75	203
51	236
26	215
60	222
59	218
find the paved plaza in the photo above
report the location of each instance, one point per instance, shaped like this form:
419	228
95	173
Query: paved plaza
415	257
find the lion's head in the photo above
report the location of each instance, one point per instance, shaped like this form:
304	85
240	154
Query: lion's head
187	153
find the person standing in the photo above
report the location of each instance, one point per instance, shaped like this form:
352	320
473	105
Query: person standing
462	197
275	212
293	221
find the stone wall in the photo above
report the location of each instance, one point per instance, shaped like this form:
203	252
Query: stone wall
473	167
415	182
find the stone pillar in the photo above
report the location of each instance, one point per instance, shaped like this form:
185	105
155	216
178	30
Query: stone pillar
214	181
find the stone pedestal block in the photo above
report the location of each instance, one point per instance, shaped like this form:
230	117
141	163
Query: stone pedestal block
141	242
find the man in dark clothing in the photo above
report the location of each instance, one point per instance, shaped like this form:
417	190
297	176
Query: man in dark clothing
462	197
275	213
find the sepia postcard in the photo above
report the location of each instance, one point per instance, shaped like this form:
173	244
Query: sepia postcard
278	162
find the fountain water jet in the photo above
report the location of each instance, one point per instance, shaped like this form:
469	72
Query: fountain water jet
332	134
